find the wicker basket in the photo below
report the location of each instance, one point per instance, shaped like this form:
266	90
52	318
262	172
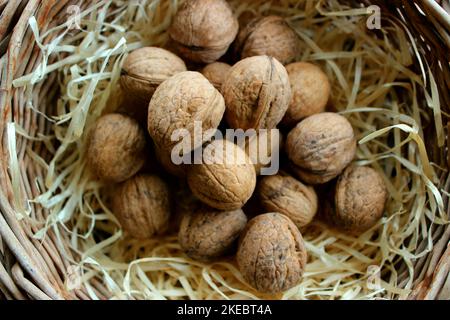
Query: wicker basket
34	269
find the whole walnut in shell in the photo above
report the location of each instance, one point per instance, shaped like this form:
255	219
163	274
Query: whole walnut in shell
216	73
288	196
144	69
359	200
116	148
202	30
310	91
271	254
142	205
178	104
226	178
270	36
207	234
257	93
320	147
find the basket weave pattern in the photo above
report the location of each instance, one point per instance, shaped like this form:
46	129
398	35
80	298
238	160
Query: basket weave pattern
35	269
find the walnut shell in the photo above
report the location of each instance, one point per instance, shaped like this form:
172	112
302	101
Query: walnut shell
270	36
216	73
117	147
359	201
320	147
146	68
310	91
257	93
271	254
178	103
202	30
288	196
207	234
142	205
226	179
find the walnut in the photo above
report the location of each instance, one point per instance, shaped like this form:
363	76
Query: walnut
271	36
320	147
202	30
310	91
178	103
117	148
359	200
262	150
144	69
288	196
216	73
142	205
226	178
207	234
257	93
271	254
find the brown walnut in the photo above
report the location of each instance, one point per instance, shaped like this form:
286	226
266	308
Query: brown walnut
270	36
359	200
207	234
178	103
146	68
216	73
226	179
257	93
142	205
320	147
202	30
310	91
117	147
288	196
271	254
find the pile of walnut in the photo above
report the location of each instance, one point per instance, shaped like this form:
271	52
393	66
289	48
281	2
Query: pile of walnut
264	89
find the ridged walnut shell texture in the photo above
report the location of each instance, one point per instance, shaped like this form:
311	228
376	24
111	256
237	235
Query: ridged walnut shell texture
257	93
202	30
270	36
144	69
142	206
271	254
178	103
288	196
320	147
207	234
216	73
223	182
310	91
117	148
360	199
